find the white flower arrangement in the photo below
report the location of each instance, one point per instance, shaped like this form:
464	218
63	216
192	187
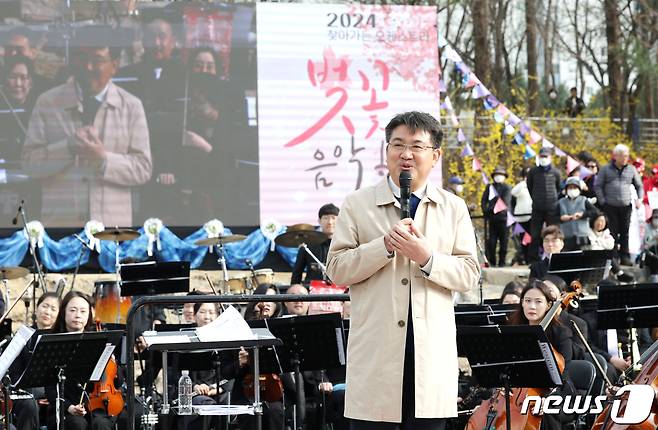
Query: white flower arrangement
271	229
213	228
152	227
91	228
34	232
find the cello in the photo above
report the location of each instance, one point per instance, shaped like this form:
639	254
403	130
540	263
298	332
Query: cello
491	414
648	375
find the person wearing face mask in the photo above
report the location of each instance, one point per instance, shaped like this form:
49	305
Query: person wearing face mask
544	187
575	209
456	185
521	208
496	216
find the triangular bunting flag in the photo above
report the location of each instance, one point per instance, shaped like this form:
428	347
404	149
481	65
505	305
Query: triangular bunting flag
519	139
498	117
571	164
485	180
500	205
477	166
480	91
492	193
546	144
559	152
518	229
529	152
526	239
509	129
492	100
467	151
585	172
442	86
460	136
510	219
524	129
452	55
534	137
513	119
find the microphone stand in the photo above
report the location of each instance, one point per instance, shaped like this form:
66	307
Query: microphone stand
254	279
486	263
320	264
18	299
77	265
38	278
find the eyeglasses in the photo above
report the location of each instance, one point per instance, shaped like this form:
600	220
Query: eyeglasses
416	149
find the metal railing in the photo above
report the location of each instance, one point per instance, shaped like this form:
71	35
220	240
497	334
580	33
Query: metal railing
181	300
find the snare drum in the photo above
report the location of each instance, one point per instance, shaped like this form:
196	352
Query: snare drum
238	284
262	276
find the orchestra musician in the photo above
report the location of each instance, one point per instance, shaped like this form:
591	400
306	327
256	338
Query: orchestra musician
536	300
402	354
327	216
274	412
205	390
26	411
75	316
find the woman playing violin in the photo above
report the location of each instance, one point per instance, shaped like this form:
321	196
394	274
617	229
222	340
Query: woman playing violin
75	316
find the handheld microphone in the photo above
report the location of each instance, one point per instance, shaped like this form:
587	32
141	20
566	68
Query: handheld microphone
18	212
405	194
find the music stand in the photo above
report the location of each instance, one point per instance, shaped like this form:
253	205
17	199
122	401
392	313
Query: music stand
509	356
67	356
150	277
469	314
628	306
589	266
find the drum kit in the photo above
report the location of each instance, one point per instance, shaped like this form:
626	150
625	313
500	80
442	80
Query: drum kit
111	307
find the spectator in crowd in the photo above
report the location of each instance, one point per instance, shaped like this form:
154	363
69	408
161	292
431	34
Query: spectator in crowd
544	186
456	186
22	42
495	201
297	308
17	99
521	208
158	80
600	238
88	159
593	166
553	242
574	105
574	213
651	245
613	193
650	185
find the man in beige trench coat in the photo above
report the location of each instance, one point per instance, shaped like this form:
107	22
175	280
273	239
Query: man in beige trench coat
402	354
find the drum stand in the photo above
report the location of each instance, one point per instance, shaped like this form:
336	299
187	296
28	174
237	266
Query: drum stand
6	295
320	264
117	268
222	263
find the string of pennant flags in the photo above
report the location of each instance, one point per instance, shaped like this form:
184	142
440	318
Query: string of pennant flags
521	132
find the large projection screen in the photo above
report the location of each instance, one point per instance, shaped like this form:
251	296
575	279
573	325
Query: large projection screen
329	79
242	112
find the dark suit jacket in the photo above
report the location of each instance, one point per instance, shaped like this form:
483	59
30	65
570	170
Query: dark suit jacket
306	263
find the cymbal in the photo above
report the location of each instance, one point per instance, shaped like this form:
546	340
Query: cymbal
117	234
301	227
295	238
210	241
13	272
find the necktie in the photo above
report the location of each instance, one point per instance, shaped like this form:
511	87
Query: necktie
413	205
90	106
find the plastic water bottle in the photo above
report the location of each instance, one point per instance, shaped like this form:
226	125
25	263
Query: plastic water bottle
185	394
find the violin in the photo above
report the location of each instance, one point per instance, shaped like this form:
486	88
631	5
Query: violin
648	375
105	395
271	387
492	415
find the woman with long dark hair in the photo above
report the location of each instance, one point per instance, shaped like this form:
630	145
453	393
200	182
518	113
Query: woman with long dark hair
76	316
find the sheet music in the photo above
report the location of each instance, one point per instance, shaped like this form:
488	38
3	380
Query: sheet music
550	363
97	374
223	409
341	348
165	339
230	325
14	348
